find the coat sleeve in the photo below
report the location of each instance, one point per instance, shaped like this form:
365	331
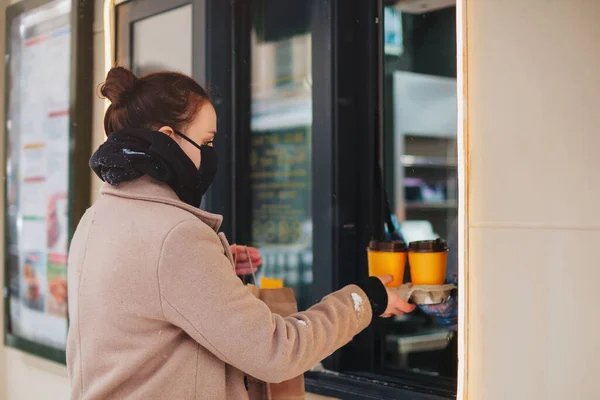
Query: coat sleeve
201	294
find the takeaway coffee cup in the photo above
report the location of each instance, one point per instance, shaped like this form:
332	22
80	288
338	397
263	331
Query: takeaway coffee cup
428	259
387	257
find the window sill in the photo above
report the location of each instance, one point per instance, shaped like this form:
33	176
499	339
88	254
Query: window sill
354	387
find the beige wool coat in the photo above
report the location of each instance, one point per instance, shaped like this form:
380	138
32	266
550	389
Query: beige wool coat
157	312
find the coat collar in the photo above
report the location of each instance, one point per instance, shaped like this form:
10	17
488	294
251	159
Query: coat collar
149	189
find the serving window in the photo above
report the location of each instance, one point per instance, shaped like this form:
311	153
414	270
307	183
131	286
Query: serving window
344	130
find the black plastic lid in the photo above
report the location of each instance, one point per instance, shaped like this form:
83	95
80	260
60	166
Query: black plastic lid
428	246
392	246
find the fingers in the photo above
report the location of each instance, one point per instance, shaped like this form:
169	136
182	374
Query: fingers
398	311
243	266
396	302
246	264
403	306
241	255
251	250
390	312
397	306
246	267
386	279
241	251
244	257
243	260
243	271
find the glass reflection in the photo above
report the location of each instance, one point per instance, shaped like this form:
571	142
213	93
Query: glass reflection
280	156
420	170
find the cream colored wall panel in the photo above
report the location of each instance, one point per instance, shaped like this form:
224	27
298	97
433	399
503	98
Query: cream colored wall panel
573	326
507	316
533	325
533	106
475	353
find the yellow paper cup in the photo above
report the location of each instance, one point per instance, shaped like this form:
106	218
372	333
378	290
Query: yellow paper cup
387	258
428	259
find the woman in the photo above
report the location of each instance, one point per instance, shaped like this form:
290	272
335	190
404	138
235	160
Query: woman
155	306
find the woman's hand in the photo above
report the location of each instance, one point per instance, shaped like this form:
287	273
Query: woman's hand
396	305
242	264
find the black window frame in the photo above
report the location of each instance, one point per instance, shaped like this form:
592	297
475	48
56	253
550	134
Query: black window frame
129	12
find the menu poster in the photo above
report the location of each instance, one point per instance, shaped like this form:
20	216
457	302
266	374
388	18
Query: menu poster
37	170
280	181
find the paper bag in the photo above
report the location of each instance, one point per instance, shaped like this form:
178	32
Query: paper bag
282	302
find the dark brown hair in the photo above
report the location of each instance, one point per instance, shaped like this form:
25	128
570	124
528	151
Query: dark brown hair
154	100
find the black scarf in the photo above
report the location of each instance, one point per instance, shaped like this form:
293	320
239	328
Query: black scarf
129	154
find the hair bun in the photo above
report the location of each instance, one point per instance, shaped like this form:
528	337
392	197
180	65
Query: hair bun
118	84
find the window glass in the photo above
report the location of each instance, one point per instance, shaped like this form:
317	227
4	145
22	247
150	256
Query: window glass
281	139
153	39
420	170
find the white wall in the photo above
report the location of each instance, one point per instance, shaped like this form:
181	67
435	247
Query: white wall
534	145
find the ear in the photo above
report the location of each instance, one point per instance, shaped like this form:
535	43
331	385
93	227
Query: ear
167	130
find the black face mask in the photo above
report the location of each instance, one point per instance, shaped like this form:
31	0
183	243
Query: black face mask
131	153
208	162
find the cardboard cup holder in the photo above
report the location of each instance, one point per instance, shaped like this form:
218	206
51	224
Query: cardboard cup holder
425	294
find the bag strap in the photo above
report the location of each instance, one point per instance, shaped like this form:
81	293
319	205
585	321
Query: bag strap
249	261
251	266
235	260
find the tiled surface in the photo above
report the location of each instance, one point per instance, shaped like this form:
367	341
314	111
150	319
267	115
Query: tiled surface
533	112
533	314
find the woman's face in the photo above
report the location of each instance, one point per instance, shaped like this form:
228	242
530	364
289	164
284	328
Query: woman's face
202	131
